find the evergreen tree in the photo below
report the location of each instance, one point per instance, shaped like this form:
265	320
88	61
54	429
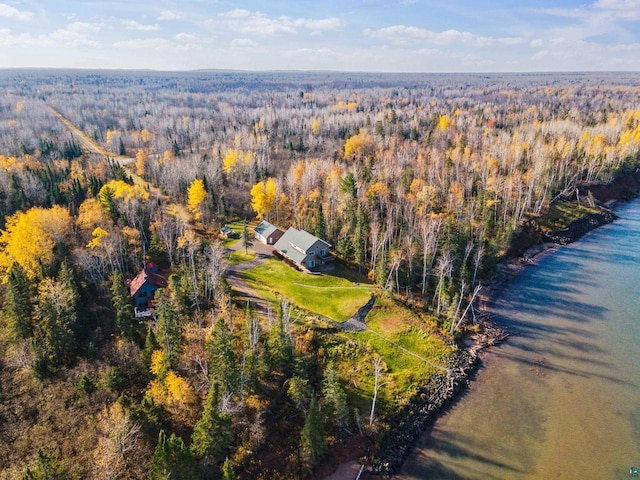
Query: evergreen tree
246	238
45	467
360	239
313	442
212	434
227	471
57	315
279	345
334	402
168	331
172	460
121	301
222	354
18	304
320	229
150	344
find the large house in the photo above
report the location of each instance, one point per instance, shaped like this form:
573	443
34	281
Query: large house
304	250
143	286
268	233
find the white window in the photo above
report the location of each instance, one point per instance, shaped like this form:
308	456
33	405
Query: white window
323	253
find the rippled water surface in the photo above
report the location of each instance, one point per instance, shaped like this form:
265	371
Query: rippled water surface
561	399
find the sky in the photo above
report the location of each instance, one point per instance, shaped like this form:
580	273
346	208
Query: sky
340	35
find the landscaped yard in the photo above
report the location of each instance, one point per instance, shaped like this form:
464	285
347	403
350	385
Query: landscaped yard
407	341
332	295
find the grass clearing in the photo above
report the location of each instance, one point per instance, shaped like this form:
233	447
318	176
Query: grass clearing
412	331
238	257
330	295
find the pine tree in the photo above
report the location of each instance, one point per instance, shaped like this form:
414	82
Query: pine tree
246	238
313	442
45	467
222	354
57	316
279	345
334	402
172	460
320	230
212	434
121	301
150	344
168	331
18	304
360	239
227	471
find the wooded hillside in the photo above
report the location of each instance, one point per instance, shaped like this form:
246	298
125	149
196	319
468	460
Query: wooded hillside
419	182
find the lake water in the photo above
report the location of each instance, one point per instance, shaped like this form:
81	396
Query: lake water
561	398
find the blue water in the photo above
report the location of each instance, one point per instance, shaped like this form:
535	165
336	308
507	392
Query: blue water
560	399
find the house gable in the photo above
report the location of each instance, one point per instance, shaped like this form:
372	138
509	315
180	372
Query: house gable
268	233
143	286
303	249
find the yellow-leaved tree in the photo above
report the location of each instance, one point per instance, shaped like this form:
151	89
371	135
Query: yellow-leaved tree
30	237
359	146
141	162
196	194
263	196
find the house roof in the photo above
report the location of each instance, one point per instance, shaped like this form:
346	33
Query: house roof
265	229
146	276
295	244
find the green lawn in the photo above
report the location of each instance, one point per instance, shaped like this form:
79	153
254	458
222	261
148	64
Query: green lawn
338	297
332	295
410	330
238	257
237	227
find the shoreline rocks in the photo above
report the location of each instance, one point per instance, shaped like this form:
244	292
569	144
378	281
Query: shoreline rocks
427	405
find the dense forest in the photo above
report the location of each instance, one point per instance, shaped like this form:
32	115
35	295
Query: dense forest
419	182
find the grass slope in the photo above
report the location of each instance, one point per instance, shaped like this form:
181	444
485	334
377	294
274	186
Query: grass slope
332	295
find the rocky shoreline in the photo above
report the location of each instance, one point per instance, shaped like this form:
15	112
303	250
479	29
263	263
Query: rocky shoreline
425	407
443	389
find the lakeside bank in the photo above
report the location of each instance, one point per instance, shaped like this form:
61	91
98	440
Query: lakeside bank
443	391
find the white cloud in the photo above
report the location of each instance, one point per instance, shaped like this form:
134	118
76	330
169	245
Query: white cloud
168	15
65	37
237	13
83	27
243	43
69	38
134	25
258	23
323	24
310	52
8	11
602	11
180	42
402	34
628	10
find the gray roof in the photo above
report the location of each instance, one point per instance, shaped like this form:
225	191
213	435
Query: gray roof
265	229
295	243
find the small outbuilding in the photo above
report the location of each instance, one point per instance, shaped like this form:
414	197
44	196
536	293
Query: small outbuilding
268	233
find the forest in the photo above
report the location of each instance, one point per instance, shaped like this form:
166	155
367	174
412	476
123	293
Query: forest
420	183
